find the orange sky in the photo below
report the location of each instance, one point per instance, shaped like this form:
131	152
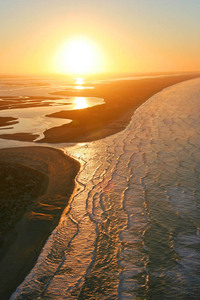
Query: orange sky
149	36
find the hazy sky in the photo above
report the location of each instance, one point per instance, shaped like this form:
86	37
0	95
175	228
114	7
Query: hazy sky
133	36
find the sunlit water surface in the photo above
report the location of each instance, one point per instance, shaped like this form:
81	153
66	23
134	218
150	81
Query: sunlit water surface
33	120
131	230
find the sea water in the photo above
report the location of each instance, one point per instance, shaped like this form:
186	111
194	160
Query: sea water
132	228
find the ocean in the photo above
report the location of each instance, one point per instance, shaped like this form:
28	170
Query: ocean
132	227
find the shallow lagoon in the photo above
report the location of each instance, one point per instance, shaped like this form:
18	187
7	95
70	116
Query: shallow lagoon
33	119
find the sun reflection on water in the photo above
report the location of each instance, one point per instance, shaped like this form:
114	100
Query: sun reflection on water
79	87
79	81
79	84
80	102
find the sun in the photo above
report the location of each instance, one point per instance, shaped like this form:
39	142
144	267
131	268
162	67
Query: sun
78	56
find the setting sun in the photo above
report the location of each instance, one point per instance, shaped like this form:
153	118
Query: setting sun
78	56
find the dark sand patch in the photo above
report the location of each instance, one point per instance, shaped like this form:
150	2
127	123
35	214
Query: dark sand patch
24	137
7	121
121	100
37	183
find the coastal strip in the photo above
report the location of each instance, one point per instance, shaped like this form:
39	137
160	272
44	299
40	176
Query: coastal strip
121	97
36	185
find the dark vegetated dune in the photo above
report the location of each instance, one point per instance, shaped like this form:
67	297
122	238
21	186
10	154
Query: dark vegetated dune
35	186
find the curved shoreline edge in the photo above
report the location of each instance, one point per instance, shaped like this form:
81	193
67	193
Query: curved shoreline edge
23	243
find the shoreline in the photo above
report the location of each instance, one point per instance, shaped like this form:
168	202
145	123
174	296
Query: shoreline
24	239
121	98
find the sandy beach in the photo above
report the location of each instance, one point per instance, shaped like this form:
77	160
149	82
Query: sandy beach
36	184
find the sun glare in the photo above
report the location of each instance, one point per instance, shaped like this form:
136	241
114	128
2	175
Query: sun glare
79	87
80	103
79	81
78	56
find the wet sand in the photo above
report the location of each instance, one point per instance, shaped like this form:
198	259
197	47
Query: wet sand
36	184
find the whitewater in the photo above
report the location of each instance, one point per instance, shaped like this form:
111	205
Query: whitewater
132	227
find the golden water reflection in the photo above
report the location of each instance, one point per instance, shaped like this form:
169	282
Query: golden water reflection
79	81
80	102
79	87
